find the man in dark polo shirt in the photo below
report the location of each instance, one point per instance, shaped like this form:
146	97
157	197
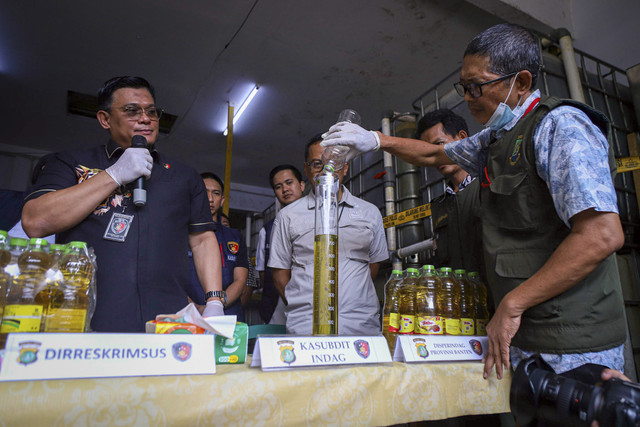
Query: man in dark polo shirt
86	195
233	252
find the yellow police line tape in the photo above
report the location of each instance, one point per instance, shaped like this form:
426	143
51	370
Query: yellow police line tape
412	214
627	164
624	164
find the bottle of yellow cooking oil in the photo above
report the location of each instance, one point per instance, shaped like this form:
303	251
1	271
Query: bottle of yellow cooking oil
5	257
481	305
17	246
467	303
77	269
76	266
390	311
408	301
22	312
448	302
428	321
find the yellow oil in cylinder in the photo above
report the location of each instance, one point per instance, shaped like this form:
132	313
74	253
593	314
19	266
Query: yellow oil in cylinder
325	284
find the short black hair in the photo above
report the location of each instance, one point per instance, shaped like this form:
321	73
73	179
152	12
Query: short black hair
105	93
316	138
284	167
213	176
451	122
510	48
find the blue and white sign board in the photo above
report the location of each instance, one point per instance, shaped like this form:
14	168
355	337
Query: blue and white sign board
36	356
288	352
439	348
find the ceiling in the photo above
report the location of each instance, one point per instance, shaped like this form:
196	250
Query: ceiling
311	59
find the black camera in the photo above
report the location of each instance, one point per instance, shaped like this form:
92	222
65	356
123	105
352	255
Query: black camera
539	396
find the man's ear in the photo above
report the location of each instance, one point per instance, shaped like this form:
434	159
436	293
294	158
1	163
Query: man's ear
462	134
302	184
103	118
523	82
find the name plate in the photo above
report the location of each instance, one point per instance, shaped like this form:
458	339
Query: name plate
287	352
438	348
37	356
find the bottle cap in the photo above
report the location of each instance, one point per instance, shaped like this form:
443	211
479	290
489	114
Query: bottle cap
460	271
56	247
473	274
18	241
77	244
4	237
412	270
396	272
38	244
445	269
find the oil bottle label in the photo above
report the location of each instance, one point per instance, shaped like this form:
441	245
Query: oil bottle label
21	318
452	326
407	324
65	320
467	326
481	325
430	325
394	322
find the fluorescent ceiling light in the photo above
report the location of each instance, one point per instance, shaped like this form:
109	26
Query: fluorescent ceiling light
243	107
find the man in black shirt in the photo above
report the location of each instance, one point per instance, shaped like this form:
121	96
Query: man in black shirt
141	252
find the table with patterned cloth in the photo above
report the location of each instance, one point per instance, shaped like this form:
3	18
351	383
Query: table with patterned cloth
383	394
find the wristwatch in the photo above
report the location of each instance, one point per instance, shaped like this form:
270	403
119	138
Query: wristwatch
219	294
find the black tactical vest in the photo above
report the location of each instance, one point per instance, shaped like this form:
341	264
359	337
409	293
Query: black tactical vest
520	232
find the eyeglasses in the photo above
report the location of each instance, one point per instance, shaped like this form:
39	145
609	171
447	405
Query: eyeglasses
315	165
134	112
475	89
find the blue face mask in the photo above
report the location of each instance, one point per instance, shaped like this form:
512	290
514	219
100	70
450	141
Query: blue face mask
503	114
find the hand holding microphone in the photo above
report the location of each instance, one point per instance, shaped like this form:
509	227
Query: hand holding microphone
135	163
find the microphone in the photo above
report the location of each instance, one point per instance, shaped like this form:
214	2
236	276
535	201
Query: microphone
139	193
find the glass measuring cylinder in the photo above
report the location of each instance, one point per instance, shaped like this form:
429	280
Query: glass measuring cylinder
325	253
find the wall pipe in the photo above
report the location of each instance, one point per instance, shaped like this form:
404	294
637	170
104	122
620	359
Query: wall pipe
389	180
569	61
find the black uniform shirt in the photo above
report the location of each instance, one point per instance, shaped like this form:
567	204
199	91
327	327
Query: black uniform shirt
146	274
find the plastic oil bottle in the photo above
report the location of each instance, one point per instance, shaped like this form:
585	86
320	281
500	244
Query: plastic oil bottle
448	302
467	303
22	312
5	257
71	314
17	246
391	309
407	293
481	305
427	319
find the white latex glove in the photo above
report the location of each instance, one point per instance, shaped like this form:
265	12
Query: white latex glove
358	140
134	163
213	308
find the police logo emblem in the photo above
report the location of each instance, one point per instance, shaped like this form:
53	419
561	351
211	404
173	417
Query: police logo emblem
476	346
362	348
515	155
287	354
28	352
421	347
181	351
233	247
